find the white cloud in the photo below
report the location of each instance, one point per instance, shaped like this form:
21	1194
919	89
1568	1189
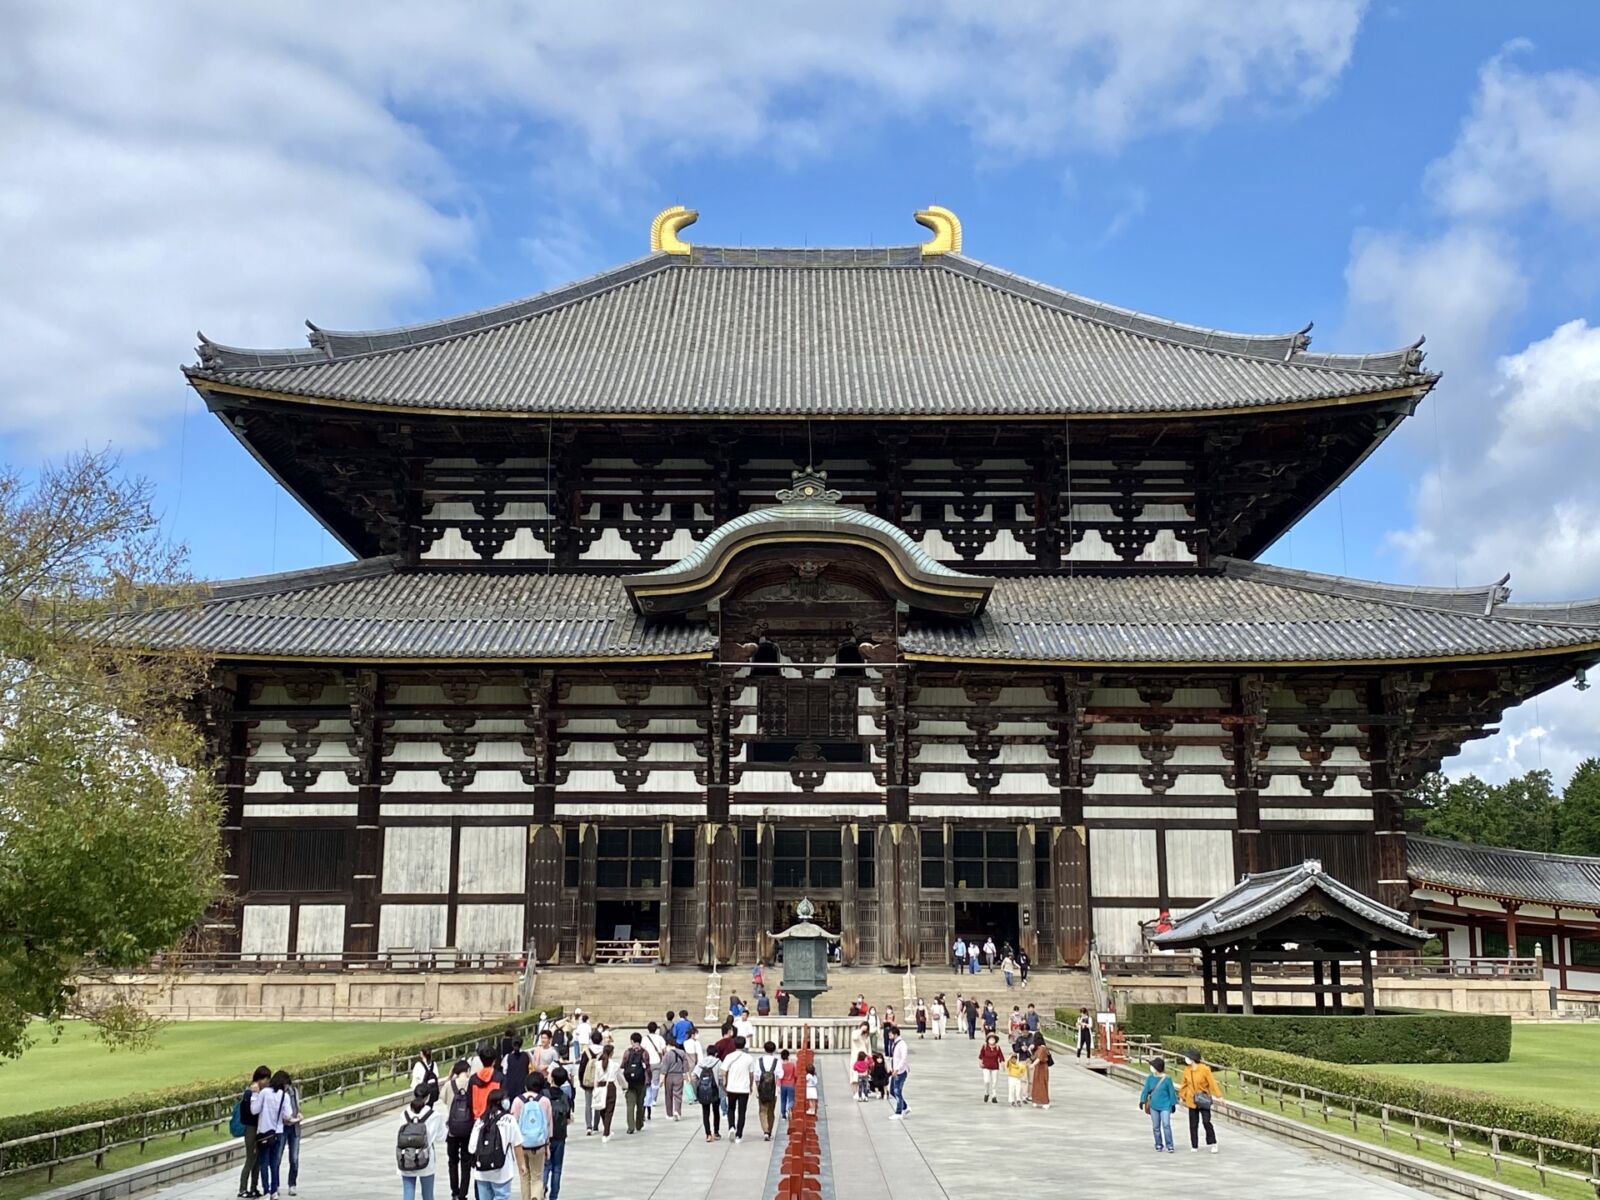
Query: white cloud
248	164
1554	733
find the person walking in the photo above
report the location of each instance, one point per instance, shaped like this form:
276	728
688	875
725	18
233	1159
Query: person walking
534	1117
1042	1062
1200	1093
971	1015
486	1080
768	1066
608	1085
1085	1030
990	1059
243	1126
268	1104
455	1101
782	998
959	950
1008	968
636	1075
1023	963
421	1127
707	1093
921	1012
1016	1079
1030	1020
787	1072
991	1018
674	1066
738	1079
425	1073
938	1015
989	953
588	1077
559	1093
1158	1098
493	1136
291	1131
899	1068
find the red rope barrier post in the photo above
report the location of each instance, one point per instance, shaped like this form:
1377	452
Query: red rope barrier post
800	1176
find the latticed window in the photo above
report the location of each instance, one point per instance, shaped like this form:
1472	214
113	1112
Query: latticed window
985	858
628	858
818	715
804	858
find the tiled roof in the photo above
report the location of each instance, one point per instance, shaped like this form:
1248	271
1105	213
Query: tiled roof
788	332
1250	612
1247	614
1257	898
1449	866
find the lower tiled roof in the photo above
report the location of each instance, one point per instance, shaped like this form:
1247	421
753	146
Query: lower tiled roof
1248	613
1256	899
1447	866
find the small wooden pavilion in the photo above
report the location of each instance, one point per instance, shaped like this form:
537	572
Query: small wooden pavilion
1296	915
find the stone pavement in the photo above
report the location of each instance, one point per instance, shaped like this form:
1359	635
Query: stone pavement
1092	1142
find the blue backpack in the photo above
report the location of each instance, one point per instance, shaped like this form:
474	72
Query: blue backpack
531	1124
236	1125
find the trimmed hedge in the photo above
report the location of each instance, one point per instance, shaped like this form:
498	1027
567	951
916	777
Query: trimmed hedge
1459	1104
1153	1020
1392	1036
137	1114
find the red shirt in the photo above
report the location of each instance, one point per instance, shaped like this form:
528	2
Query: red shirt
990	1057
484	1080
786	1073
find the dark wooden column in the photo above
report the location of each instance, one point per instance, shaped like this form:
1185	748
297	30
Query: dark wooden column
1249	722
888	897
1028	900
1069	880
909	856
227	745
1369	1003
716	722
896	750
764	871
1335	969
453	893
1511	928
588	883
365	692
1247	995
1206	972
702	895
849	934
717	885
547	869
666	893
540	743
1316	979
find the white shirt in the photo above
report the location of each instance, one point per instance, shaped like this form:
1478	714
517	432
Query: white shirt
692	1048
654	1044
419	1072
269	1104
510	1136
580	1035
435	1124
744	1027
740	1072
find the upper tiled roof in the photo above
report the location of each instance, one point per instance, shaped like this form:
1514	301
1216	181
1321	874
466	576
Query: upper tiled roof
1247	614
1497	871
1250	612
788	332
1255	899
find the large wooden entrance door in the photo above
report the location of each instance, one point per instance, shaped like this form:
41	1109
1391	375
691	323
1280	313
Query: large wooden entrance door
1069	883
546	866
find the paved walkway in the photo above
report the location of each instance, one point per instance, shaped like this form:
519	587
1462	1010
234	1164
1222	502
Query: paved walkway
1092	1142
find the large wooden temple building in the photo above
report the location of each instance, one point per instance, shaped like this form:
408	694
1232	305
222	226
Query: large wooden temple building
882	576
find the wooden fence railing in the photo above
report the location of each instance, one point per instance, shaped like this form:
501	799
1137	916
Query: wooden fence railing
440	958
1185	964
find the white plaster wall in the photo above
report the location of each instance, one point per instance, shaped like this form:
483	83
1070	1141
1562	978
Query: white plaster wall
320	929
493	859
1122	862
1199	862
265	929
489	928
416	859
412	926
1116	930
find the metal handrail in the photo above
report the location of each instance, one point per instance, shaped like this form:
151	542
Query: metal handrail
96	1139
1413	1125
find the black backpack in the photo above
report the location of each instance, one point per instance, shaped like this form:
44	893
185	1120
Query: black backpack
633	1068
705	1085
459	1122
413	1149
491	1152
767	1084
560	1113
430	1080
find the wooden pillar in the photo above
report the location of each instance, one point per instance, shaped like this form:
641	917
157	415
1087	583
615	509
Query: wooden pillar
1511	930
1209	992
1219	969
896	751
666	894
849	875
888	898
718	721
365	690
1338	991
228	745
547	870
588	883
453	895
1369	1001
909	859
1246	990
1069	879
1316	979
702	895
764	870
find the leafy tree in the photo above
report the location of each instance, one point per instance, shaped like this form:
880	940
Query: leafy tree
108	821
1522	812
1579	823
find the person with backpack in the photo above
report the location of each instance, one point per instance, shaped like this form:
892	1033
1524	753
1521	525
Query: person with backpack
1158	1098
636	1075
268	1104
559	1093
1199	1093
534	1117
514	1067
674	1066
455	1103
485	1080
423	1071
588	1075
738	1077
707	1093
768	1067
243	1125
493	1135
421	1127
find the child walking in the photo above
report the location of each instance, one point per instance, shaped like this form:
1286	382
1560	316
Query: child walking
1158	1098
1016	1080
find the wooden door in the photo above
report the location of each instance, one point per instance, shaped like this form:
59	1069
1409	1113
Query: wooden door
1069	880
546	867
725	892
909	856
588	857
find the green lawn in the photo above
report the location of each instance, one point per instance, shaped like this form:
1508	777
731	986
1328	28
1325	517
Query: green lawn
78	1066
1552	1063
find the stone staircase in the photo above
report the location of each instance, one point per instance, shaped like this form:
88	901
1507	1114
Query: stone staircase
629	996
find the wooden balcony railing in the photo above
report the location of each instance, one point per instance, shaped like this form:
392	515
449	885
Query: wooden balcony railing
627	952
1186	964
439	958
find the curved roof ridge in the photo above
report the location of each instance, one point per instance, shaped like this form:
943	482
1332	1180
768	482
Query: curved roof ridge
306	577
1547	855
328	345
1470	599
1568	612
1288	347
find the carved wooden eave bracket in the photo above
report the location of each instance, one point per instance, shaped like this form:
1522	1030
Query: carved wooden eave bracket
811	528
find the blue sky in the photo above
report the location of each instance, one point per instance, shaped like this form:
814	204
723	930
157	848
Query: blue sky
1386	171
